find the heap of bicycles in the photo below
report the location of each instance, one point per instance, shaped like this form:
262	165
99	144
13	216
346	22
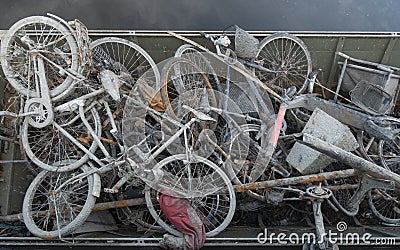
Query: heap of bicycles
235	133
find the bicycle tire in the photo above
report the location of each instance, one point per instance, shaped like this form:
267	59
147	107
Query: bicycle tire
15	75
226	182
129	62
67	156
382	202
38	197
246	128
252	156
273	60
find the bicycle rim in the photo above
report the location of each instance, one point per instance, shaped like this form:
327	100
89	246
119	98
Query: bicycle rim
54	206
215	209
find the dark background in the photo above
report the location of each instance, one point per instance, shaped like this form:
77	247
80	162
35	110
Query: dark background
265	15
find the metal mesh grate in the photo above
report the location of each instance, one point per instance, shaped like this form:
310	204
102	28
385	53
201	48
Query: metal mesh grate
371	98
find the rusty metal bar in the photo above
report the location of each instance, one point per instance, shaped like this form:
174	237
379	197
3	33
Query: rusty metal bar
12	161
350	159
11	217
97	207
296	180
118	204
4	138
345	186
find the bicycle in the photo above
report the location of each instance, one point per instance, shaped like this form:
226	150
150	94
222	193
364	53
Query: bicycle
356	119
40	58
175	145
43	219
246	53
63	126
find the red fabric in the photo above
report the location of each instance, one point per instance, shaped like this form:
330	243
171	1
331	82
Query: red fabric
182	215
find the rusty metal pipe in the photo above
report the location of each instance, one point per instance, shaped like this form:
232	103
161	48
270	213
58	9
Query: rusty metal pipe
118	204
97	207
11	217
296	180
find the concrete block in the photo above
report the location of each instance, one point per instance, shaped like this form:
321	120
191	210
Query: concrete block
321	125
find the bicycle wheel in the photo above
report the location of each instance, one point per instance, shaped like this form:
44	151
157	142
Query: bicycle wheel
180	76
200	59
385	203
129	62
126	59
141	128
288	56
210	193
52	150
52	41
55	206
389	154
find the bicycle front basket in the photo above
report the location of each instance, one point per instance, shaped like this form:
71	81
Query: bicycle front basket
371	98
246	46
